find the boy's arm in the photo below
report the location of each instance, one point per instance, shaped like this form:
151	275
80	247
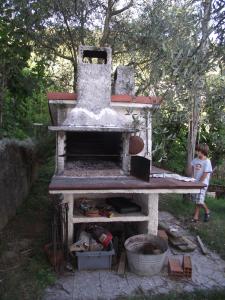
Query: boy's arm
207	169
203	177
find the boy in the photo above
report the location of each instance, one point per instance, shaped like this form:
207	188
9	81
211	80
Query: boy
201	170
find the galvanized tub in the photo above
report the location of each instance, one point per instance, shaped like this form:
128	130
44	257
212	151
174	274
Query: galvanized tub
139	247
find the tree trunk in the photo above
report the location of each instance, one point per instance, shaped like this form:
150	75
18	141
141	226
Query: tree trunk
110	12
74	76
193	130
105	34
1	109
2	92
198	86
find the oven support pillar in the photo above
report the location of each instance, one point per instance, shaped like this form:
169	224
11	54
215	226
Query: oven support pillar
153	211
149	204
61	138
125	154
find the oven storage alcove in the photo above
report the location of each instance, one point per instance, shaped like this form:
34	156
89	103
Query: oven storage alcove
101	200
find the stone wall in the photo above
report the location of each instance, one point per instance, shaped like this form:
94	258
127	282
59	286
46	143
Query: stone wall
17	171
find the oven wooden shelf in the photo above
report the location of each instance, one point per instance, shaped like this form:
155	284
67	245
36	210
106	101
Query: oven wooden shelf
129	217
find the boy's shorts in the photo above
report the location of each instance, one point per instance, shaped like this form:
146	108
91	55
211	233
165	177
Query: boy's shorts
199	198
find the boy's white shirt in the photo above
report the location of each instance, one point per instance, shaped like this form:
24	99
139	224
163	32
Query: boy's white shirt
202	166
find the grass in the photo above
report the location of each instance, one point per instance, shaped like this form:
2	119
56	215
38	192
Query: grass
212	233
27	275
198	295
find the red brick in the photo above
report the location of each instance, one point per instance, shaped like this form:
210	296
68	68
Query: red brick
187	266
174	268
61	96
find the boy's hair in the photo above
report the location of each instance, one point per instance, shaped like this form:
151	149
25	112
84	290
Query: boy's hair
204	148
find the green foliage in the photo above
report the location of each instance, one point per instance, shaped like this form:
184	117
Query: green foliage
22	86
219	181
163	40
20	113
174	64
212	127
169	139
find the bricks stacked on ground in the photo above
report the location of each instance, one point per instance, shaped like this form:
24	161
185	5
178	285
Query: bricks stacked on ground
162	234
187	266
174	268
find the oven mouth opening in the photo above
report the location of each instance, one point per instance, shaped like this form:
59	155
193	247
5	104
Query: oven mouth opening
93	154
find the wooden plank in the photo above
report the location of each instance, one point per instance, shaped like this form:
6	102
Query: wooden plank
121	183
182	243
202	247
122	263
164	226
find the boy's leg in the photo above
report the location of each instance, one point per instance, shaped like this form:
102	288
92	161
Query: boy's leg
195	198
205	208
203	205
196	214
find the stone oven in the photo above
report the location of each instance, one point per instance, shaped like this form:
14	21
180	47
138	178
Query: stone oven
103	144
93	140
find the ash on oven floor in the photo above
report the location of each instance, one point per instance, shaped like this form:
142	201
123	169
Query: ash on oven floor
81	168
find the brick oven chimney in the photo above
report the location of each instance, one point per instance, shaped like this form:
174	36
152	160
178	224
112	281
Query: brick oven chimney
94	78
93	108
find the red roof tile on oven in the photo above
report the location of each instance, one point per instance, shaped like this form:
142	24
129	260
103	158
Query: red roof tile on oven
114	98
61	96
136	99
121	98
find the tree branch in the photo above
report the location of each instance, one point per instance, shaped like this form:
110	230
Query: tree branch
119	11
55	51
68	30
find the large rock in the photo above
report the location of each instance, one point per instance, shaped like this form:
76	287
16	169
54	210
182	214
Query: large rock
17	160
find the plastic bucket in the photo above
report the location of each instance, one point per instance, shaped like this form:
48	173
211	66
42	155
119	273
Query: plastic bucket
141	262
